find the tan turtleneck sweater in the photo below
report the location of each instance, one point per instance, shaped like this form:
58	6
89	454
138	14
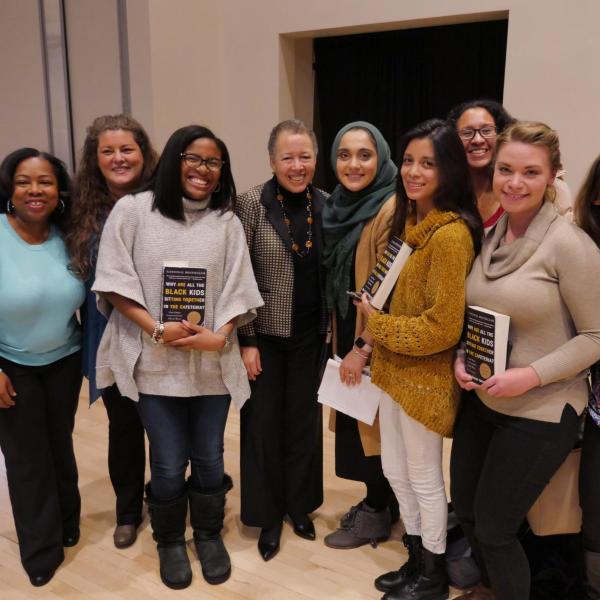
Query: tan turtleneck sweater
548	282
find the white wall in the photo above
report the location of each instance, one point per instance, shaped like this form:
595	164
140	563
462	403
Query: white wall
240	66
22	96
94	62
252	82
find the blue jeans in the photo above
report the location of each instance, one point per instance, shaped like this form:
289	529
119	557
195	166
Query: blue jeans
182	430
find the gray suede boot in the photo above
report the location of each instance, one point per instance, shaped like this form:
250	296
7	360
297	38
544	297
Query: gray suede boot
361	525
592	575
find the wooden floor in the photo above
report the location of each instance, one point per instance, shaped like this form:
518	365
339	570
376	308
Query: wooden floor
95	569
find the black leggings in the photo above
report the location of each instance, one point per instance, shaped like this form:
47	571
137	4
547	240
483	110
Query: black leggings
589	485
499	466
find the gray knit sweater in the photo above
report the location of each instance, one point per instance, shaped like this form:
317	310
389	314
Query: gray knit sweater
136	242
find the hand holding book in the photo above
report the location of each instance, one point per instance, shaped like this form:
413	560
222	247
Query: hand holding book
175	331
201	338
510	383
364	305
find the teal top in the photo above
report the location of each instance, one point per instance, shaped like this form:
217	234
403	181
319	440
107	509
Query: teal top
38	299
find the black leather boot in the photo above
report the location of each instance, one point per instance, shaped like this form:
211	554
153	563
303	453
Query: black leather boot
207	511
431	583
168	525
393	579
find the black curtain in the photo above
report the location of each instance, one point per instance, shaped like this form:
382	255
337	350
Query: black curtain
397	79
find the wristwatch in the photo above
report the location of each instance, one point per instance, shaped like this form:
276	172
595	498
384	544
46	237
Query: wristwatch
362	345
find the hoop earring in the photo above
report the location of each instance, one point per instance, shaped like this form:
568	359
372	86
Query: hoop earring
61	206
218	188
10	207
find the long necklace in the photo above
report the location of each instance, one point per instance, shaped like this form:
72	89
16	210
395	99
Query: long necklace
309	220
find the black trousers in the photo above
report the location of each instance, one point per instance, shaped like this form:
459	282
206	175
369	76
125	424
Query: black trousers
589	485
499	466
126	455
351	463
281	432
37	443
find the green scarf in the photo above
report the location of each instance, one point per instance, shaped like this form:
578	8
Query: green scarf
345	214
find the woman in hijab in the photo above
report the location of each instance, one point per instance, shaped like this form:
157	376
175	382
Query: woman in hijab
356	222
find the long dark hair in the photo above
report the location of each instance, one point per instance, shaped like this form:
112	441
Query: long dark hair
166	181
455	190
587	214
61	216
93	201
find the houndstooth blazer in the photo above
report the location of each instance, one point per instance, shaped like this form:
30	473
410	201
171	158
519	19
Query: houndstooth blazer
271	253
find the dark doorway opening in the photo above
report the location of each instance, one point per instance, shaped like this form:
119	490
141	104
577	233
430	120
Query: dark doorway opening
397	79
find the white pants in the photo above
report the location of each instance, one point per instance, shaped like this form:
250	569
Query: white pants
411	456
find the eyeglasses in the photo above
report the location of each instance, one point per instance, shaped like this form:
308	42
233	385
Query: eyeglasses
195	161
488	131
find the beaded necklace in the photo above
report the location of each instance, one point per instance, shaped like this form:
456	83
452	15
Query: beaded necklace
309	220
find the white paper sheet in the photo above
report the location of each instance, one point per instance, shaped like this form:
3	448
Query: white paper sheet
358	401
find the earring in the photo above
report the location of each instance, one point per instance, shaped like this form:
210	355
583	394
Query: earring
218	188
61	206
10	207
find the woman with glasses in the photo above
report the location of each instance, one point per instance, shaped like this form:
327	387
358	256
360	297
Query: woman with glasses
478	123
117	157
281	435
182	371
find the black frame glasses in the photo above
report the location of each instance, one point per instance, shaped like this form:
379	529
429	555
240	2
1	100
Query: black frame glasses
487	131
193	160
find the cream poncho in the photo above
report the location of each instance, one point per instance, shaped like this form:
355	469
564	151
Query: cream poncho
135	244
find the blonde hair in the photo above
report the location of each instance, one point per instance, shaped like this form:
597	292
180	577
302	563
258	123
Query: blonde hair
535	133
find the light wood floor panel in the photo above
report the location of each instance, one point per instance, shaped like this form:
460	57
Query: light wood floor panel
96	570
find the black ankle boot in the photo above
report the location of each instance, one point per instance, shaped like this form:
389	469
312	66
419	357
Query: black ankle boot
207	511
431	583
393	579
168	525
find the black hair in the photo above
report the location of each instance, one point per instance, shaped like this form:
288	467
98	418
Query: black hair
501	116
455	190
166	180
7	173
587	212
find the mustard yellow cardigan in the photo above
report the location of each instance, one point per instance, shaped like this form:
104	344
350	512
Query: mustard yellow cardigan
414	344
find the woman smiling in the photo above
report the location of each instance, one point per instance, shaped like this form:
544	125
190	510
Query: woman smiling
281	436
40	359
414	345
356	223
515	430
183	375
117	157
